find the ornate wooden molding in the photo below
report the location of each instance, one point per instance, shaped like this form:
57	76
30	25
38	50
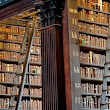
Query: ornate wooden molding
50	12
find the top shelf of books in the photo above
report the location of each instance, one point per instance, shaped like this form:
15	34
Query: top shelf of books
99	6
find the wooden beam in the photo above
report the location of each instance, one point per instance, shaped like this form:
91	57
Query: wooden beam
16	8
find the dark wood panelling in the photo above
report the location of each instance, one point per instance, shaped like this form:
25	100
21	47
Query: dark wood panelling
66	56
16	8
52	66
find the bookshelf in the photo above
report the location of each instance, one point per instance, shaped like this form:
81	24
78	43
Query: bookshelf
93	26
11	36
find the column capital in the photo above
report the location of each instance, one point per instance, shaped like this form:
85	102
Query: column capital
50	12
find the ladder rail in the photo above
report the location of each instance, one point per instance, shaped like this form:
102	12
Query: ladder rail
25	69
13	95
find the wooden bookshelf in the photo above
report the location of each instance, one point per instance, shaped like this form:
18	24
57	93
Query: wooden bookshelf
10	46
92	17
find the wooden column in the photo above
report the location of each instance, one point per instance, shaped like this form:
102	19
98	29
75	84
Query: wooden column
71	56
52	56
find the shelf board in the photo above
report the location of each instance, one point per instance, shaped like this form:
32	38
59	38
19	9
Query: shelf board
12	33
91	94
81	7
5	24
91	79
93	22
17	42
90	109
24	96
95	48
10	50
10	41
93	65
32	96
108	95
26	84
34	85
4	71
16	61
3	108
34	74
36	44
34	63
32	53
9	60
93	34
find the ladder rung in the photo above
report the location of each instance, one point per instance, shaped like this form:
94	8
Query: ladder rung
20	62
22	53
107	102
107	75
19	73
13	95
107	63
105	89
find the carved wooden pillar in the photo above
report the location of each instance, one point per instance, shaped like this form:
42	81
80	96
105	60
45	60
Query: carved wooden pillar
52	55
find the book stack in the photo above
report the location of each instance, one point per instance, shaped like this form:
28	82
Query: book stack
91	88
91	102
92	57
89	40
12	32
91	72
94	4
93	16
93	32
92	28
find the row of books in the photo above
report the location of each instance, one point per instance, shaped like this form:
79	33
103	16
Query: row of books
36	49
37	79
95	4
10	55
32	79
31	91
12	29
26	91
93	16
10	78
14	22
92	28
92	41
92	57
31	105
35	69
13	68
37	33
91	88
91	72
108	102
5	36
17	47
17	56
8	67
25	105
91	102
10	46
35	91
35	58
37	40
108	89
